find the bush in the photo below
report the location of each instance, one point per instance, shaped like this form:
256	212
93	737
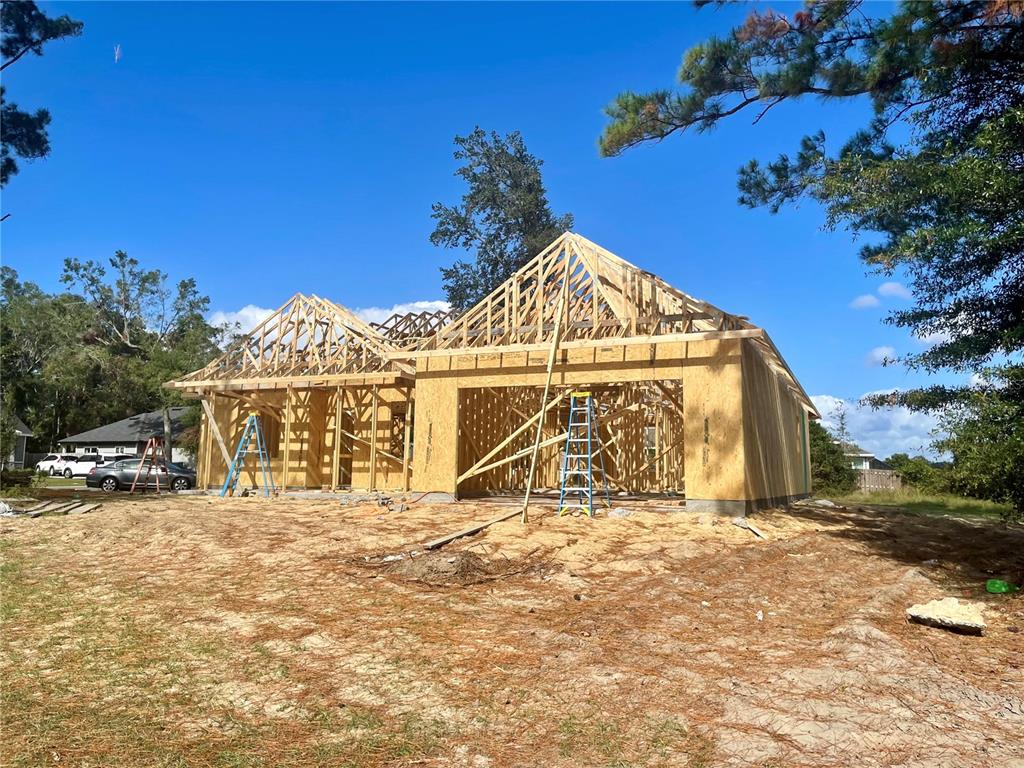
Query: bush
16	483
831	473
919	473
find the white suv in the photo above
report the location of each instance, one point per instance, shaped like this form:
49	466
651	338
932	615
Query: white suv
87	462
81	464
53	463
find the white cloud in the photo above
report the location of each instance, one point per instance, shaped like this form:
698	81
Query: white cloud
248	317
881	431
879	356
931	339
895	290
865	301
380	314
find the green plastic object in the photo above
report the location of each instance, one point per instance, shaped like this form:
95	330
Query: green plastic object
1000	587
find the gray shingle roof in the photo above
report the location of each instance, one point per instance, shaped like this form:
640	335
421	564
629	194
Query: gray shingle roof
852	449
133	429
20	428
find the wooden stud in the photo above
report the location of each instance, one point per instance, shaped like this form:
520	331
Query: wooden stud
207	448
475	469
336	457
407	443
287	465
375	405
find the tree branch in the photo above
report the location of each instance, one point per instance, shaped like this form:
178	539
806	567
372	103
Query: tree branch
21	53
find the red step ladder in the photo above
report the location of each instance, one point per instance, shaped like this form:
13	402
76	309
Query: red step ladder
154	449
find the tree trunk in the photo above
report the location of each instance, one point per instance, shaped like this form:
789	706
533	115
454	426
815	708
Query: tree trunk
167	434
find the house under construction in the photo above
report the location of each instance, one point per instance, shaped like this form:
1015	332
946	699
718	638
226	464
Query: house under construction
691	399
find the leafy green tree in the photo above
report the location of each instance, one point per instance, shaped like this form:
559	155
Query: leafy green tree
156	331
504	216
8	432
71	362
25	30
918	472
36	329
136	310
985	436
831	473
936	177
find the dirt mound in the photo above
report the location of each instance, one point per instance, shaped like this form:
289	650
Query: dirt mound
459	568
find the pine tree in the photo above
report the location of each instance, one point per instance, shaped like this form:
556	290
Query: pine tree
504	216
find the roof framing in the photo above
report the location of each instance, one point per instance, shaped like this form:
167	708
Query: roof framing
611	302
308	341
411	330
313	342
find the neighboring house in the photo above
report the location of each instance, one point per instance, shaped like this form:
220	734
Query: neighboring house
873	474
21	433
859	458
129	436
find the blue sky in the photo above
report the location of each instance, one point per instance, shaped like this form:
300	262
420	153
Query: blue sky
269	148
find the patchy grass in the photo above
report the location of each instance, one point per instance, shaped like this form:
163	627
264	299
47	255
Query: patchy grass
591	739
210	633
911	500
89	683
40	483
62	482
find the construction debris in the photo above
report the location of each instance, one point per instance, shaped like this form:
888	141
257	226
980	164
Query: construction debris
476	528
60	507
437	569
817	503
742	522
949	613
83	509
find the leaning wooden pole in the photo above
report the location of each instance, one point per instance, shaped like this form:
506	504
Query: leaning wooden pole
373	444
555	338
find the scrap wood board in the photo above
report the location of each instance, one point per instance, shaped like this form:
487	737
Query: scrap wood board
81	510
48	506
65	508
470	530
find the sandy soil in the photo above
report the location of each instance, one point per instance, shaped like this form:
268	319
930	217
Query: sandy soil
242	628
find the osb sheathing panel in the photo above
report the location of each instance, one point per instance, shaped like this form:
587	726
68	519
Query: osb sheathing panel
713	424
774	433
435	459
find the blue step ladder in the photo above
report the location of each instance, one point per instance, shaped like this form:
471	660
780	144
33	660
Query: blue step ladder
582	444
252	442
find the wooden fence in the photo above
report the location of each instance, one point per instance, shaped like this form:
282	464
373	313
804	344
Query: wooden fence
879	480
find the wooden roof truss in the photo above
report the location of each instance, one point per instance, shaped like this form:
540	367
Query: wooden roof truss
307	337
609	301
608	298
411	330
313	341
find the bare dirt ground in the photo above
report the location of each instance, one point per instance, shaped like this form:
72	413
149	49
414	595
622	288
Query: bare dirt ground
206	632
